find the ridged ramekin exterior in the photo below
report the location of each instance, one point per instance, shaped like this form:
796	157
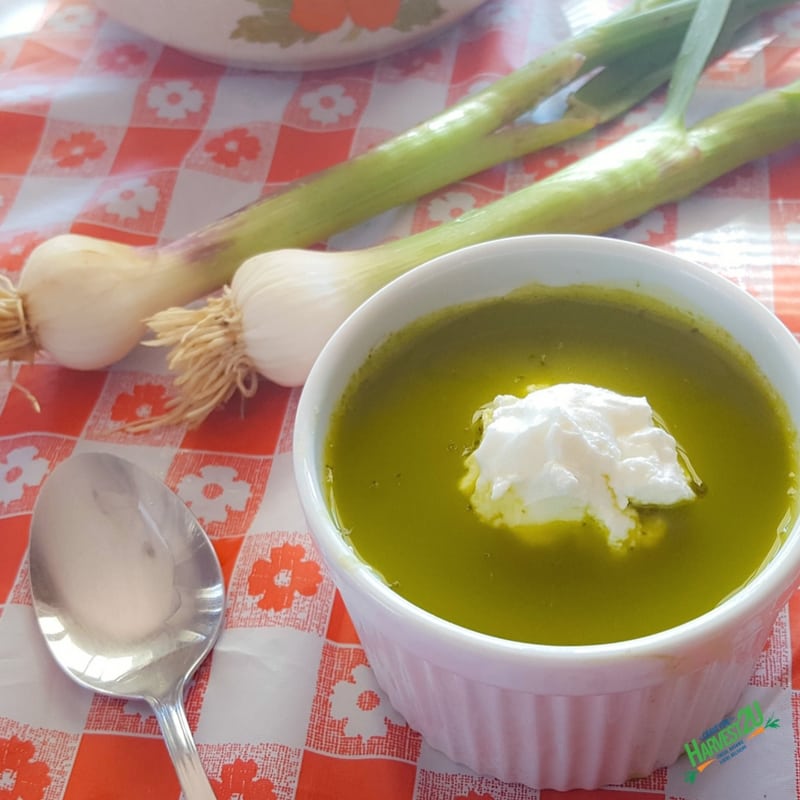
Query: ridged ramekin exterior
523	734
550	717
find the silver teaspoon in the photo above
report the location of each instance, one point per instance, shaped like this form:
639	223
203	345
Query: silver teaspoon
127	590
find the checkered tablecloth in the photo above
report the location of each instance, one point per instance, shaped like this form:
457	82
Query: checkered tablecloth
107	133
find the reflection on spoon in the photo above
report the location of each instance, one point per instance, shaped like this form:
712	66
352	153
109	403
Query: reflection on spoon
127	590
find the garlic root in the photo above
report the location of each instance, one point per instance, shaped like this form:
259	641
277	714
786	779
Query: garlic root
209	357
16	339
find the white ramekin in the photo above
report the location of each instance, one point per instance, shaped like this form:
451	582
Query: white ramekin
549	716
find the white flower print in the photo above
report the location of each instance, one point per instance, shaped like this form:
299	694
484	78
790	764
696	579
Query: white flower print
214	492
175	99
129	199
21	468
548	164
329	103
363	705
450	205
72	18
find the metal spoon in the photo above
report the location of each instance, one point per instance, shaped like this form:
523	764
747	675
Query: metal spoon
127	590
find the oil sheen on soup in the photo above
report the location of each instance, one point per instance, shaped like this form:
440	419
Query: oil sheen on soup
397	444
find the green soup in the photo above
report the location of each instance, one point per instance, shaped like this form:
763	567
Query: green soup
397	443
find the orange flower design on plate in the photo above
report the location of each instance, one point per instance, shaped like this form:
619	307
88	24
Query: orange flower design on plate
321	16
238	782
21	778
78	148
145	401
290	22
233	146
285	573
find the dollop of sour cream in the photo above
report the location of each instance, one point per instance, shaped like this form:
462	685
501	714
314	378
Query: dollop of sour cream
571	451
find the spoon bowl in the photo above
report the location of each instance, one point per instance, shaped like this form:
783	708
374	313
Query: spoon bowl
127	590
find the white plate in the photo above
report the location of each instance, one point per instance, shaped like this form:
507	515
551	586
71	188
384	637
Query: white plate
288	34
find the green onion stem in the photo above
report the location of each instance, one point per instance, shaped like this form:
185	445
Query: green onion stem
701	38
630	78
288	302
472	135
662	162
658	164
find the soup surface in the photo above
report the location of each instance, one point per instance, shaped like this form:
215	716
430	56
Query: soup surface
397	443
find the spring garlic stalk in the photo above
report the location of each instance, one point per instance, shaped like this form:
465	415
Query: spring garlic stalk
282	306
84	299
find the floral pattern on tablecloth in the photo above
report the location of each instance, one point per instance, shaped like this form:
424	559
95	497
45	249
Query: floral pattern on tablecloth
107	133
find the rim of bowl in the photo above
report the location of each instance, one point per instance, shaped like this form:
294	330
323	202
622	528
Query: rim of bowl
765	588
328	50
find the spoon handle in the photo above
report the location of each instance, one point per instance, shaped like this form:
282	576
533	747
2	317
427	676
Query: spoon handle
171	717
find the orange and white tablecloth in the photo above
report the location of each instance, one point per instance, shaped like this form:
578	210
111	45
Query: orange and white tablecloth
105	132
